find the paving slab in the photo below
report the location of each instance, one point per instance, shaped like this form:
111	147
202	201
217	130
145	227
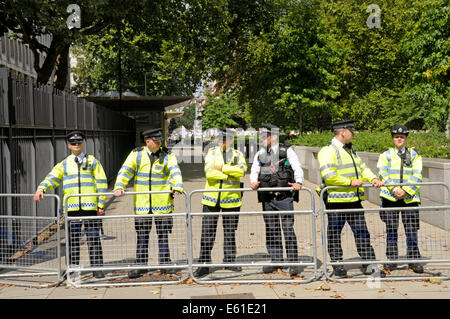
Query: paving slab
77	293
187	291
136	292
24	292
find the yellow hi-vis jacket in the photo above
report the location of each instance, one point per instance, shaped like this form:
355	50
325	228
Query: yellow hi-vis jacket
78	180
228	177
389	165
338	167
162	175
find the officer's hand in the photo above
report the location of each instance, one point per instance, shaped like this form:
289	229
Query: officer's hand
356	182
100	212
38	195
399	193
377	183
176	193
218	167
255	185
272	168
295	186
119	192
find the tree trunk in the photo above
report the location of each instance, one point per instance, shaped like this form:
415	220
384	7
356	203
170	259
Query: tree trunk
45	71
62	68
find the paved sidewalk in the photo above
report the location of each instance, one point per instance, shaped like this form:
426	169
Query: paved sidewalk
188	289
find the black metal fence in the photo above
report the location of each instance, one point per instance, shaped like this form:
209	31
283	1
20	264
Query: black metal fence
34	121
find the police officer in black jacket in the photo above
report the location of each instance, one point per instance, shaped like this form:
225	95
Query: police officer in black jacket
277	165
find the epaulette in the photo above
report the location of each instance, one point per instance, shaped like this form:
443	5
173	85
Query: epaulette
137	149
385	150
415	150
328	144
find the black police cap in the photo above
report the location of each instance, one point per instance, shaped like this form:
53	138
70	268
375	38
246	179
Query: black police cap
399	129
270	129
348	124
154	134
226	133
75	136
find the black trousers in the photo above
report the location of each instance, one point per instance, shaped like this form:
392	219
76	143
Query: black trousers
143	226
357	222
410	219
209	229
274	241
92	231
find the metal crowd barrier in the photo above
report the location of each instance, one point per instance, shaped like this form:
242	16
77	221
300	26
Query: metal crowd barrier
432	241
118	244
30	253
247	242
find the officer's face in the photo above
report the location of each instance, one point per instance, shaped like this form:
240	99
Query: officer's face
269	140
399	140
225	143
76	148
347	135
152	144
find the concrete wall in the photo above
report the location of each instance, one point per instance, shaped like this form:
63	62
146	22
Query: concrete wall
434	170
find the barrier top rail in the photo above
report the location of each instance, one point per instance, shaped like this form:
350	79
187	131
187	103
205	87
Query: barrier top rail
263	189
364	185
58	202
125	193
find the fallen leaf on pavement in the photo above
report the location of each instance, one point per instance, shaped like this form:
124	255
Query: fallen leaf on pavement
323	287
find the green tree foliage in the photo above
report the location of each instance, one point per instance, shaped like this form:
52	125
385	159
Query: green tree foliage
223	111
186	120
281	69
170	43
32	18
393	74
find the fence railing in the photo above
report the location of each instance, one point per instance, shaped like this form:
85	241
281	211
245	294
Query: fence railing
250	253
168	246
130	245
384	237
30	246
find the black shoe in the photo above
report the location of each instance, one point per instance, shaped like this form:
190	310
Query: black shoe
136	273
294	270
367	270
202	272
270	269
339	271
417	268
390	267
98	274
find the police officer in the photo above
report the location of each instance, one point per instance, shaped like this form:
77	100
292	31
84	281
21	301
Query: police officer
224	167
401	165
154	168
277	165
340	165
80	174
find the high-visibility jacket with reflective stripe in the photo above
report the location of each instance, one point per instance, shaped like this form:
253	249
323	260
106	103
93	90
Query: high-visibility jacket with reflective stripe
77	180
228	177
389	164
163	175
337	168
